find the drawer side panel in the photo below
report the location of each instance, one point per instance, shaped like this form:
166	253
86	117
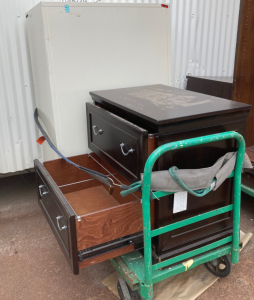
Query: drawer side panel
110	224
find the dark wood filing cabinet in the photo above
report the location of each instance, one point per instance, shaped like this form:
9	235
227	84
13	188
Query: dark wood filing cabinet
248	177
169	114
124	127
217	86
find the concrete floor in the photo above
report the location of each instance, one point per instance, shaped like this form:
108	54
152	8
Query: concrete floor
33	267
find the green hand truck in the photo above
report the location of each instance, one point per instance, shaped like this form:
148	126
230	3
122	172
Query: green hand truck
138	271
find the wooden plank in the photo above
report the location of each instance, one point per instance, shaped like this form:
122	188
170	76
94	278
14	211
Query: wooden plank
110	224
106	256
244	68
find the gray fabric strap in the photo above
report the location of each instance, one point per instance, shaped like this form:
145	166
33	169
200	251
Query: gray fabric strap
197	179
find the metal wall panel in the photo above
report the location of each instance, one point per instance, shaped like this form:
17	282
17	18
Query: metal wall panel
203	34
18	147
203	38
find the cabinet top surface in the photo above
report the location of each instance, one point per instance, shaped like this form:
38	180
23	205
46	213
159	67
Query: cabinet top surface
162	104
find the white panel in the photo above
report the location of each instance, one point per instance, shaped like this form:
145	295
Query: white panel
203	39
92	47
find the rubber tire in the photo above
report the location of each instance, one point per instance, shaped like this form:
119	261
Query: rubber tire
134	294
226	271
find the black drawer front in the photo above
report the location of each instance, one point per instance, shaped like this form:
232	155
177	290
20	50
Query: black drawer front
59	215
116	143
120	143
54	214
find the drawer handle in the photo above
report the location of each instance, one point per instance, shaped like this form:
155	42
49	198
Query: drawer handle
98	131
40	190
57	220
130	151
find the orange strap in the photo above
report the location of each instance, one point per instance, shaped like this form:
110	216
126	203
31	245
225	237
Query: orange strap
40	140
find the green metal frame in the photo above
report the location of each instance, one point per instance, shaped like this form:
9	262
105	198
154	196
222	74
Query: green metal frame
139	272
247	190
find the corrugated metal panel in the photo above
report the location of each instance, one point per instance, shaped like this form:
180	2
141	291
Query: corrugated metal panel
18	148
17	132
203	38
203	35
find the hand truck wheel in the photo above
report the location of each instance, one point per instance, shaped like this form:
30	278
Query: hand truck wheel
134	295
220	266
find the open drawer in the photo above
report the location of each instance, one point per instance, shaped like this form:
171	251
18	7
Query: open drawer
89	224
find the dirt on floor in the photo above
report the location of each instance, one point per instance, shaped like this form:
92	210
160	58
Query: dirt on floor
32	265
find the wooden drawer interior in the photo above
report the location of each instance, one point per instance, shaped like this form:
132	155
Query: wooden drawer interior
85	194
101	217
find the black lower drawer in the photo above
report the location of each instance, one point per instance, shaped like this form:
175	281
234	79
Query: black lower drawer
89	224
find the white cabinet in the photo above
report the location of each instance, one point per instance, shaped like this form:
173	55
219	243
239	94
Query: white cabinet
80	47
